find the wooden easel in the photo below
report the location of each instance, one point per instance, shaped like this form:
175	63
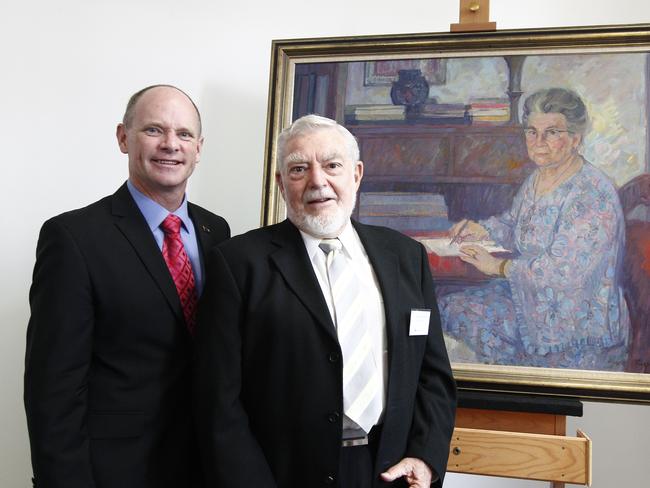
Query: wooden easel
523	443
519	437
474	16
496	437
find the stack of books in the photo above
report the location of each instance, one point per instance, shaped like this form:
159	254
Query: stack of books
489	111
445	113
365	113
407	212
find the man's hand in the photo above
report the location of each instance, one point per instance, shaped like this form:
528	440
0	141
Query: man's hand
417	473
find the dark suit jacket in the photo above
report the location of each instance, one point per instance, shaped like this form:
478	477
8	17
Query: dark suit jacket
107	385
269	371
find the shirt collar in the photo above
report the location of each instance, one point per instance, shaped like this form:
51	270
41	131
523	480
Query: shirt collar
349	239
153	212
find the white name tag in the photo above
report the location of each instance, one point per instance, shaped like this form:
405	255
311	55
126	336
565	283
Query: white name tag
419	324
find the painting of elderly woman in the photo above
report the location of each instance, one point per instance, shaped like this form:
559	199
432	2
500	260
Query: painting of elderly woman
557	301
542	156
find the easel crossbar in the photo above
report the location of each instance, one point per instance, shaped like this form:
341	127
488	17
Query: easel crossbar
521	455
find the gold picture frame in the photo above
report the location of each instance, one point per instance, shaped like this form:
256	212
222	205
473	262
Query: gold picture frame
477	103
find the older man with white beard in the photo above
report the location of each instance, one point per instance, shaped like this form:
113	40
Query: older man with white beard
320	359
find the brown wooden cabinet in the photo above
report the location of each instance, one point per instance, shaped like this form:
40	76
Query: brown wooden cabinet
477	168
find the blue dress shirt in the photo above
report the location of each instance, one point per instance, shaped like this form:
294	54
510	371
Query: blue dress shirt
154	214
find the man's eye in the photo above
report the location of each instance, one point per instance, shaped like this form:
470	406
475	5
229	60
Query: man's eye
186	136
552	132
152	131
297	169
333	165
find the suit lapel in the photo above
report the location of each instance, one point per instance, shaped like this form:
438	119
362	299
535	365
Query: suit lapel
130	221
203	231
294	265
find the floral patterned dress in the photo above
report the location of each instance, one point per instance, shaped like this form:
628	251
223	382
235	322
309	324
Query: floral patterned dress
561	304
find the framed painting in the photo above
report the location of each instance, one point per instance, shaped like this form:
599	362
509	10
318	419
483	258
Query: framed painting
468	127
385	72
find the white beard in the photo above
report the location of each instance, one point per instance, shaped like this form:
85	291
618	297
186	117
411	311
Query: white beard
329	224
320	225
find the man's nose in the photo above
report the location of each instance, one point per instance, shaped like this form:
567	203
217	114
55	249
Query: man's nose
317	177
170	141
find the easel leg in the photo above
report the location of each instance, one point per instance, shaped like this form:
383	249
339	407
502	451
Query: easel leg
560	429
515	422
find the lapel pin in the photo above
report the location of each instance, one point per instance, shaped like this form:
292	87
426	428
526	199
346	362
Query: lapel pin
205	229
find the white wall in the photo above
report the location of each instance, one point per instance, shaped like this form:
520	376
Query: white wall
67	69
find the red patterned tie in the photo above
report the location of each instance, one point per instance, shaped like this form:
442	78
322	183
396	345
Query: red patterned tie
180	267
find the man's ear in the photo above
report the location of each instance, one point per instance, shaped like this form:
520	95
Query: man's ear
358	173
199	148
120	133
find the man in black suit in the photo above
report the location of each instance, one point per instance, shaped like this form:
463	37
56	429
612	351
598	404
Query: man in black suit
109	341
320	358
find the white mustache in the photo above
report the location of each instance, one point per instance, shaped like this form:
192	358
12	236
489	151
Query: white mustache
318	195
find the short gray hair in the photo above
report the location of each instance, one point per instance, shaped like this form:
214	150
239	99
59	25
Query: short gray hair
310	123
558	100
129	113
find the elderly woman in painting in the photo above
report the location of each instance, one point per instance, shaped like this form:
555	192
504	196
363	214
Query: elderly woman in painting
558	302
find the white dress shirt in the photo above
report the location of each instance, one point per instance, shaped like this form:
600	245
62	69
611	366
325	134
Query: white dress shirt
373	311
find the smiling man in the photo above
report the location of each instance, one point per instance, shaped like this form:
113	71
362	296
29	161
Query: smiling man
320	356
113	299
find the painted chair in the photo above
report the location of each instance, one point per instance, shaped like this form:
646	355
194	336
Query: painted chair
635	200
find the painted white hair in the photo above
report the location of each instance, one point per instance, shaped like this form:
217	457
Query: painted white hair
561	101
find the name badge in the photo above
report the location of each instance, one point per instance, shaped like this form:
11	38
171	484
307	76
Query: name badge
419	324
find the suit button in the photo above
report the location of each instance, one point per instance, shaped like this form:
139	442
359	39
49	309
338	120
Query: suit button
330	479
334	357
333	417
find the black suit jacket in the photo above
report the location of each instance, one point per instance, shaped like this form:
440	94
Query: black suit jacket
269	370
107	385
